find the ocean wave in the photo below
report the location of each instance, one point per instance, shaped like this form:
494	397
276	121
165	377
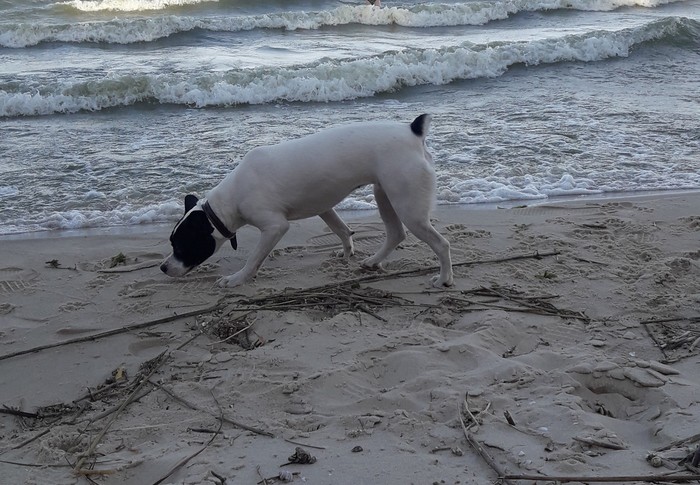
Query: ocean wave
336	80
133	30
89	218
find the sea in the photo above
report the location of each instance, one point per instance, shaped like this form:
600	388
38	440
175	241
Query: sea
111	111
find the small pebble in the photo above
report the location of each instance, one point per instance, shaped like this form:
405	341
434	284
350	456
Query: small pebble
357	449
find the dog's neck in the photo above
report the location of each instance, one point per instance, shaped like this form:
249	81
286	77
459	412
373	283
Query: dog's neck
216	222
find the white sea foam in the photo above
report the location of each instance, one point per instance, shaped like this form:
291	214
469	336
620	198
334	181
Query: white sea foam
8	191
81	219
332	80
450	191
129	5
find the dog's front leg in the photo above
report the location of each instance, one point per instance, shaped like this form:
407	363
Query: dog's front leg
270	235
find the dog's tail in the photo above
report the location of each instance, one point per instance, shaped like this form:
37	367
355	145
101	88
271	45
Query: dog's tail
420	125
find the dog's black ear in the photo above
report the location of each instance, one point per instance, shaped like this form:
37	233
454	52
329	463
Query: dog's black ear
234	243
190	201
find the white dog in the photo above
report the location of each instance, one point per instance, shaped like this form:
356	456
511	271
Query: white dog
307	177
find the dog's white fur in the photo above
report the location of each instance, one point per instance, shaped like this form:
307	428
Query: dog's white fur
308	176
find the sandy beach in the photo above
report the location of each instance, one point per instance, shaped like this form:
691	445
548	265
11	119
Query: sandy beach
568	347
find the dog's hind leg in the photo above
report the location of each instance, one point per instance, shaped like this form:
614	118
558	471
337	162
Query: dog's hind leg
336	224
412	200
424	230
395	232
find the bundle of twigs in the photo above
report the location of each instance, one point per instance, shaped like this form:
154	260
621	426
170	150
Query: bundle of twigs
336	299
515	301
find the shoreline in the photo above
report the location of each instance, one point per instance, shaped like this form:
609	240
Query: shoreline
357	214
564	339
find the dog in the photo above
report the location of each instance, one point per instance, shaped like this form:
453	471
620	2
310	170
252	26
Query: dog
308	177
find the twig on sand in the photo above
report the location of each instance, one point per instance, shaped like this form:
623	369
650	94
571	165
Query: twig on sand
481	451
33	438
606	479
222	417
109	333
127	269
159	361
304	444
17	412
680	442
410	272
595	442
206	445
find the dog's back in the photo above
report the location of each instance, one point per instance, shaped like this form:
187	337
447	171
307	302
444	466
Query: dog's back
318	171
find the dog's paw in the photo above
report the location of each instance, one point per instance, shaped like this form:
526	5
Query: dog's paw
371	265
233	280
439	282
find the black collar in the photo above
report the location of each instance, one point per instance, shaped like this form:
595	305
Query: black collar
220	226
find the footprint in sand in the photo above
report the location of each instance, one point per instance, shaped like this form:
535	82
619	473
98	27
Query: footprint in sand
367	238
692	222
628	391
461	231
13	280
72	306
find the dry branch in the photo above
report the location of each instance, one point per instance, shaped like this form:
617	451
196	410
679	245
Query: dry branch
159	361
206	445
608	479
109	333
481	451
223	418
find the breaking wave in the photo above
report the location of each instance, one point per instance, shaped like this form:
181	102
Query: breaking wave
149	29
335	80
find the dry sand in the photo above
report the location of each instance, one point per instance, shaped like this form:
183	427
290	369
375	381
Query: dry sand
374	379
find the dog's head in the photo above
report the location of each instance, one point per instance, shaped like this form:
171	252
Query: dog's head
193	240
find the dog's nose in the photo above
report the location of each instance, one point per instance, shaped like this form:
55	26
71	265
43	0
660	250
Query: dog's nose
164	267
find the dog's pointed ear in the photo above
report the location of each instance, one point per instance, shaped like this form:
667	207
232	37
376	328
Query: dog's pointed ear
234	242
190	201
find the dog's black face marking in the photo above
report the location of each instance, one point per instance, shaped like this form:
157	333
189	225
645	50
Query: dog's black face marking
192	239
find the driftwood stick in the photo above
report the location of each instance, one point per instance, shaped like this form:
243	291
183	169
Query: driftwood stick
109	333
304	444
223	418
116	407
595	442
680	442
482	452
398	274
33	438
161	360
17	412
609	479
127	269
667	320
206	445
